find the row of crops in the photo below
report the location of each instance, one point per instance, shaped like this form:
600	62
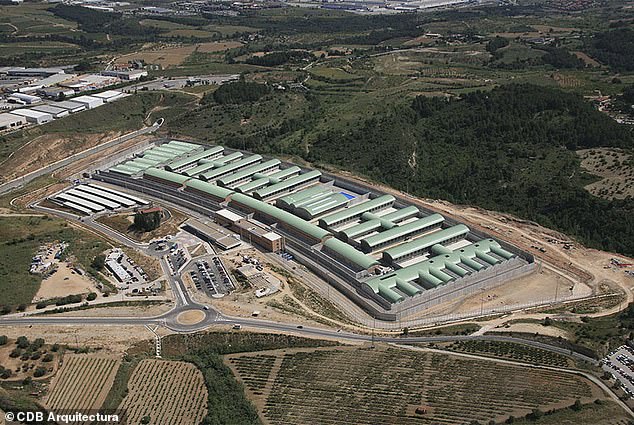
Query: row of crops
165	393
512	351
386	387
81	383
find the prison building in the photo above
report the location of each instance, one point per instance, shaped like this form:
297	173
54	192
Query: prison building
374	223
423	244
354	213
285	220
79	201
136	199
210	234
349	256
126	202
245	174
126	171
317	207
165	177
182	146
192	146
111	205
225	170
289	202
288	185
260	181
399	233
210	154
446	266
208	190
207	164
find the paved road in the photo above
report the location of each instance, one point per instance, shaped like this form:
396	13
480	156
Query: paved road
23	180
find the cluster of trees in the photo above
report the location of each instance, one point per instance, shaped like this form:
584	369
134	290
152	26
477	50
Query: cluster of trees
511	149
94	21
562	58
146	222
238	92
279	58
615	48
496	43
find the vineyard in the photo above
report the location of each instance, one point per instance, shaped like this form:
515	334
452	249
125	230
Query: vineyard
512	351
165	393
82	383
391	386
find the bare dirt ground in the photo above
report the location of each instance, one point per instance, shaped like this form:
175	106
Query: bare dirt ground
122	222
65	281
166	56
532	328
612	165
48	148
122	311
110	339
190	317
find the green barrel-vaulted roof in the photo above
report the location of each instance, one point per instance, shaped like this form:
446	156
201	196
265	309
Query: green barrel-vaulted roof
209	164
424	242
216	150
280	215
209	188
368	244
248	172
349	252
290	182
231	167
166	175
356	210
260	181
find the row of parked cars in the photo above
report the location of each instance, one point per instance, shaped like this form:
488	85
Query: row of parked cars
616	368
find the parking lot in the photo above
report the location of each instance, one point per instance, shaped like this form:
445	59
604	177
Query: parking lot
210	276
620	363
176	256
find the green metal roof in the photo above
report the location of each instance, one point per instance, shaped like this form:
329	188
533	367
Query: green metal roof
178	148
386	221
180	143
209	164
122	170
149	162
293	181
166	175
166	150
350	253
211	189
288	200
262	181
166	156
424	242
368	244
229	168
280	215
216	150
248	172
356	210
429	274
319	206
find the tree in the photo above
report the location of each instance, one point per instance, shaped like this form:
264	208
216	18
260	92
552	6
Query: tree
40	371
3	340
547	321
496	44
146	222
21	307
6	309
22	342
48	358
577	406
98	262
91	297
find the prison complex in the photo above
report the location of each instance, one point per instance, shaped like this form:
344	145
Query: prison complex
385	253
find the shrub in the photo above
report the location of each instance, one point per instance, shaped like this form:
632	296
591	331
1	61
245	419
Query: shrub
91	297
3	340
40	371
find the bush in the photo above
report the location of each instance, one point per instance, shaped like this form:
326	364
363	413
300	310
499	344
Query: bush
40	371
48	358
15	353
22	342
21	307
41	305
91	297
98	262
6	309
3	340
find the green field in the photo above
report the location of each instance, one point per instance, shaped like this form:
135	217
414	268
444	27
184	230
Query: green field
20	238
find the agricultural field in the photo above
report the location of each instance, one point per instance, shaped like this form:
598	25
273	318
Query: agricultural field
387	385
511	351
166	392
82	383
23	358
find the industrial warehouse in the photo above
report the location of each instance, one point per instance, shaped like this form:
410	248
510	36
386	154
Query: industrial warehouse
390	257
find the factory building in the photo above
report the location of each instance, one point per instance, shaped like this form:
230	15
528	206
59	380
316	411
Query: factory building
32	116
10	121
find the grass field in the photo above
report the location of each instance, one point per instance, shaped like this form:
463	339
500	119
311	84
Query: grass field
19	239
377	386
82	383
166	392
